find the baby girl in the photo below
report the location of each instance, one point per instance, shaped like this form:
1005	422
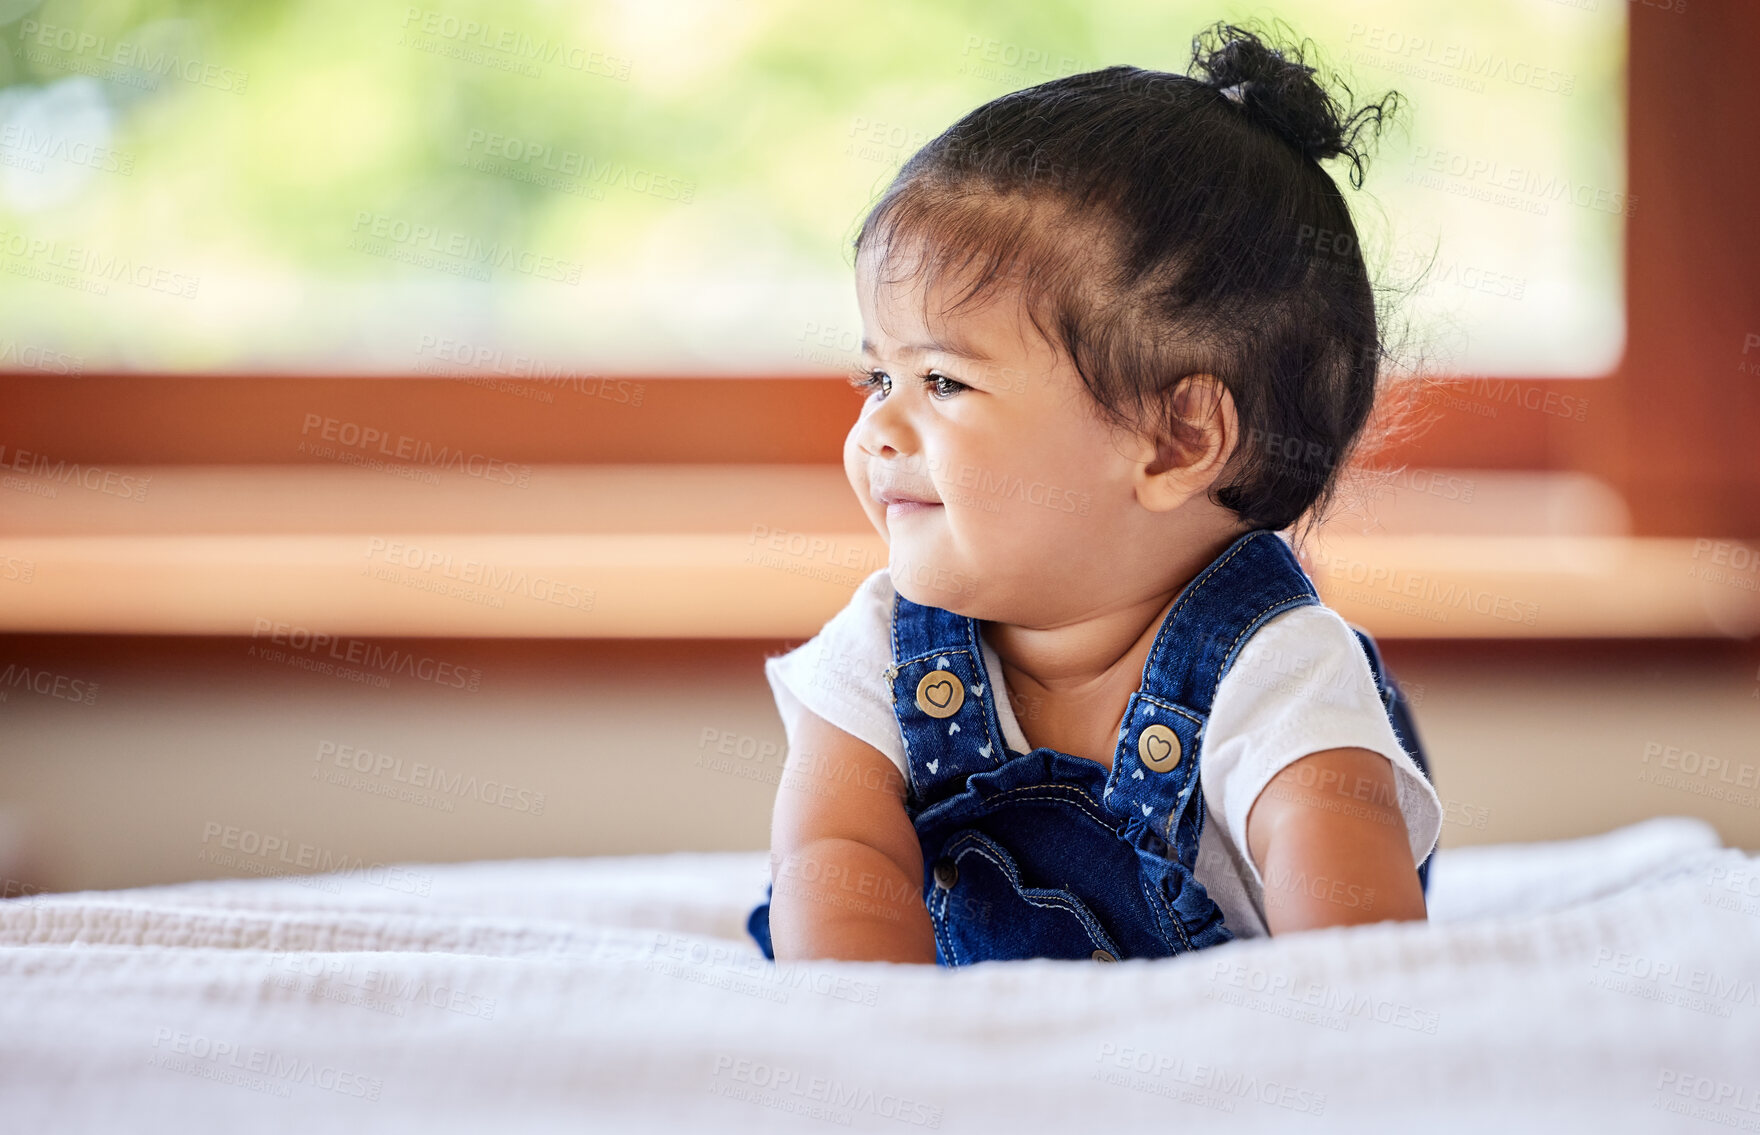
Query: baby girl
1118	336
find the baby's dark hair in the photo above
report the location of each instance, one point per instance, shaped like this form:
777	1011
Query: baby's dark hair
1160	225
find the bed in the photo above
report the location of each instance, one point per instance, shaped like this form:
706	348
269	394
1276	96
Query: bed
1599	984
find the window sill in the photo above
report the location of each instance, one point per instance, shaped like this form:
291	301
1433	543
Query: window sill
749	551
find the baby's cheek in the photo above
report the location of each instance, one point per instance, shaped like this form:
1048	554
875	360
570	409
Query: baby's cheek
854	467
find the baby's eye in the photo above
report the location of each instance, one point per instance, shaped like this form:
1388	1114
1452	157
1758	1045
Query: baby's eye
867	380
943	386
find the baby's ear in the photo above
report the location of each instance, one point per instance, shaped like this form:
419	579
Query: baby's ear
1187	453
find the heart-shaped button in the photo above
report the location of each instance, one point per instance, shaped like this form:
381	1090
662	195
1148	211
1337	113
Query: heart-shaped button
940	693
1158	747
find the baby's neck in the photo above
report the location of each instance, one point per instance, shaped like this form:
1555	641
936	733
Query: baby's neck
1076	659
1070	695
1098	649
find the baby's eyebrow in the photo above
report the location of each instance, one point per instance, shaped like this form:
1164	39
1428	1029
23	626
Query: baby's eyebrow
959	348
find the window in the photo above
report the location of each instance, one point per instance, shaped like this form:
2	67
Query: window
459	186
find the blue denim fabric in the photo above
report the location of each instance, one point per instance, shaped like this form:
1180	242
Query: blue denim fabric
1048	855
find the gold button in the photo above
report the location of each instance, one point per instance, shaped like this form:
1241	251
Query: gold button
940	693
1158	746
1104	956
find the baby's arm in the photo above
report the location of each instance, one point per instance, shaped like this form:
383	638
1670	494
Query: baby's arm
1331	846
844	857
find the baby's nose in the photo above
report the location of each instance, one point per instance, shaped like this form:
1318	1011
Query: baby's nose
882	433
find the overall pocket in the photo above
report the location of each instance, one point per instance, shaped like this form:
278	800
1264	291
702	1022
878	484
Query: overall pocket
984	911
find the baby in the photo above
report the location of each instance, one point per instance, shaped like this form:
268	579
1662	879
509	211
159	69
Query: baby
1118	336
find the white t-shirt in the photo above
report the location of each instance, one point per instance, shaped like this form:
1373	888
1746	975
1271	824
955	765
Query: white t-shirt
1300	685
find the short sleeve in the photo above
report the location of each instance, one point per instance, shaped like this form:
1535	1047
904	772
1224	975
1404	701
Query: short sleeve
1302	685
839	673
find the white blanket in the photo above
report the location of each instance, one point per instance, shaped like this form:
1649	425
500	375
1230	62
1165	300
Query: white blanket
1603	984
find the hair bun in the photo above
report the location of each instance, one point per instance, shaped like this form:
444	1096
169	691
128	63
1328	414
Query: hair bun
1278	88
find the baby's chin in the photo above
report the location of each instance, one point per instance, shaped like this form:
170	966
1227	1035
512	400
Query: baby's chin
932	581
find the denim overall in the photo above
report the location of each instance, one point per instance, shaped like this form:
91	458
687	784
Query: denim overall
1048	855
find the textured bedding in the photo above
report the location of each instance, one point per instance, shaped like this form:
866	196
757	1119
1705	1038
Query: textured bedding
1601	984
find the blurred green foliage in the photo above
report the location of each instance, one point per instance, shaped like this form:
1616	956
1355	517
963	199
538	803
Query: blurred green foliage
340	185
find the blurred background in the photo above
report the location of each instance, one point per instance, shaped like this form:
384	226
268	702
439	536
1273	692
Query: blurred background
418	422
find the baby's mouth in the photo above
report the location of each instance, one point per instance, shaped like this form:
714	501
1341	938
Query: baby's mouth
895	499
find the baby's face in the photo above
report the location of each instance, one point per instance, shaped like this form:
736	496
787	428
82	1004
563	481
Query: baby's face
1027	506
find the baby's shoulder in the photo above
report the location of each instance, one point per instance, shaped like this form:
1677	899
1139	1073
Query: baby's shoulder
1302	636
1304	661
